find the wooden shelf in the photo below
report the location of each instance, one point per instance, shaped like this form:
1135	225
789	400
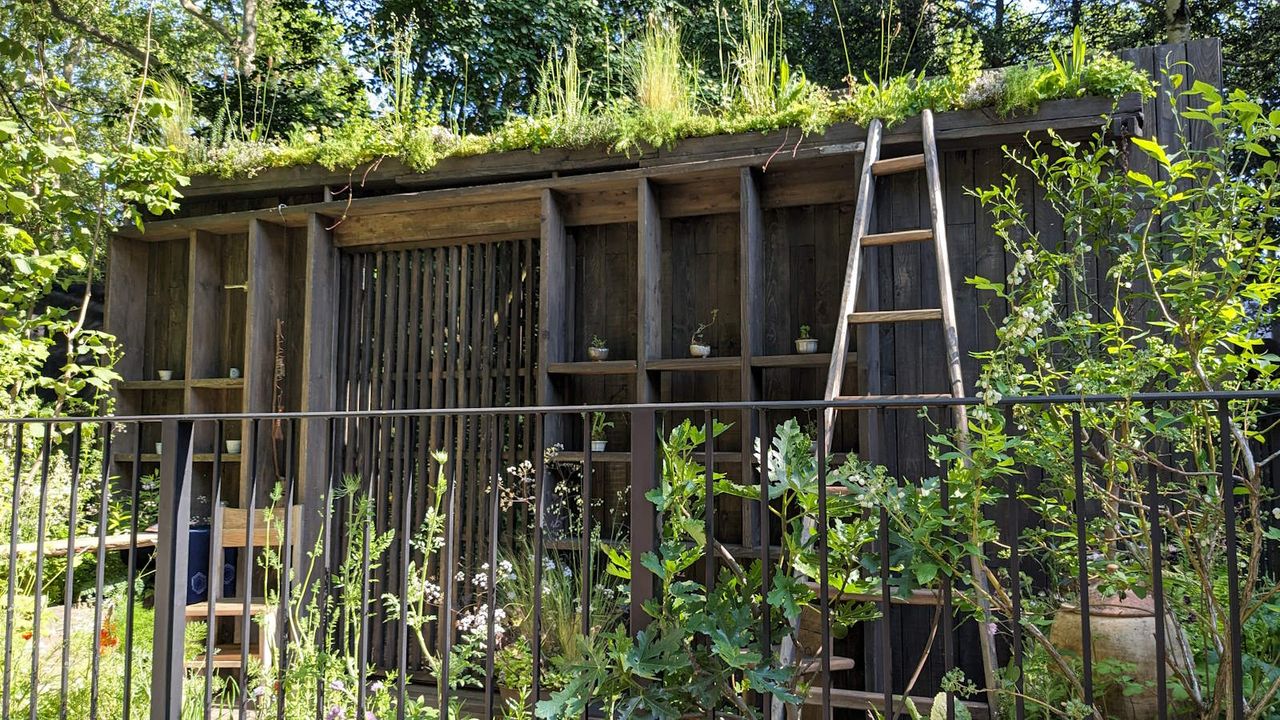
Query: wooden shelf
624	457
798	360
217	383
151	385
604	367
707	364
205	458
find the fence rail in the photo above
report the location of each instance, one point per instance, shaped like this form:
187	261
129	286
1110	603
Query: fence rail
1089	517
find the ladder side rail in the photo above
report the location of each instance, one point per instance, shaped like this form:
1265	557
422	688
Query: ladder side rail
990	661
853	271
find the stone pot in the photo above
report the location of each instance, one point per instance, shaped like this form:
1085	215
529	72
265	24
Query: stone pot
1123	630
599	445
598	354
699	350
807	346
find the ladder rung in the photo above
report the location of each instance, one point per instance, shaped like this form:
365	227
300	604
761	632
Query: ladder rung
892	316
891	166
896	238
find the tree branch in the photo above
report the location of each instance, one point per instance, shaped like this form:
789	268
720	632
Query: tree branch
198	13
135	54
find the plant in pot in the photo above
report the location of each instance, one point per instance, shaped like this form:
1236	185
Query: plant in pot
598	350
698	346
806	345
599	426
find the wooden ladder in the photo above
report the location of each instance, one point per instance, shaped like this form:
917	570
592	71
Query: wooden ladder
873	167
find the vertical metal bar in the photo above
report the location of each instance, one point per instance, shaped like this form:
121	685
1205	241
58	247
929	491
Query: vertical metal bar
328	555
948	609
447	583
68	589
766	574
1157	589
402	634
491	584
709	514
1233	566
246	587
366	530
539	487
216	559
172	539
1015	578
644	519
286	562
46	448
1082	556
132	571
584	581
104	504
16	500
886	606
824	576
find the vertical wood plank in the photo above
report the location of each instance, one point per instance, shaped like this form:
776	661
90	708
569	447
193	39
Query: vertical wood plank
649	307
319	386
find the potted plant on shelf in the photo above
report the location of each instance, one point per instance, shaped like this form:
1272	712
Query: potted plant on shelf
698	346
806	345
599	425
598	350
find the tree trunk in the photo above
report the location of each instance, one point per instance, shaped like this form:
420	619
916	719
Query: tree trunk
1176	21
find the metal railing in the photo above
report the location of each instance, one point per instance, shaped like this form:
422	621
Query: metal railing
79	491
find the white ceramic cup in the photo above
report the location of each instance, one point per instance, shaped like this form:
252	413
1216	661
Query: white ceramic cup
233	447
165	375
234	373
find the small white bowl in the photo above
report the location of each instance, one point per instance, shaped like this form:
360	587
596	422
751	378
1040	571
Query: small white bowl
233	447
165	375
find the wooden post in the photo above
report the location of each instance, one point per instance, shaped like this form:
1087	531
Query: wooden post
267	288
553	312
168	672
319	388
649	289
751	298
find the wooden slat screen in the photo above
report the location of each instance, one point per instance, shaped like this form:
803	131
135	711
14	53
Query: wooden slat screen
437	327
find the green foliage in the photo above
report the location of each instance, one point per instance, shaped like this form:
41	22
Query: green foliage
655	100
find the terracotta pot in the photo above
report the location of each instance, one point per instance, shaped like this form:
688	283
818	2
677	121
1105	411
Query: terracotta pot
1122	630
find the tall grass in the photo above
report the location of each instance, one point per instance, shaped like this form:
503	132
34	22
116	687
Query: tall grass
757	55
564	91
664	82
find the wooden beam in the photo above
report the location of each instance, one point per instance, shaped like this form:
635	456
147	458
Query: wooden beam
513	216
319	391
267	289
204	323
649	289
553	311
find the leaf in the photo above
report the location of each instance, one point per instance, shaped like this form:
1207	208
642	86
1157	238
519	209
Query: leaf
1152	148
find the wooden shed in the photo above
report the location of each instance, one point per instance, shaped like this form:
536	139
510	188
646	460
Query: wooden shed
482	283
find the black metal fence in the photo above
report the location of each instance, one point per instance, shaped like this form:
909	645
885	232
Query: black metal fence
1056	531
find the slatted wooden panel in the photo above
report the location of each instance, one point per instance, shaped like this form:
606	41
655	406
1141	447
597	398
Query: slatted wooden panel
439	327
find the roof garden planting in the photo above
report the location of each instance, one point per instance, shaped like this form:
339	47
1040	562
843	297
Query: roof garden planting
664	96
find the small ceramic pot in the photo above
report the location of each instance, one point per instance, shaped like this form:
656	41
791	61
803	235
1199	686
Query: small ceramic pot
165	375
233	447
599	445
234	373
159	448
806	346
699	351
598	354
